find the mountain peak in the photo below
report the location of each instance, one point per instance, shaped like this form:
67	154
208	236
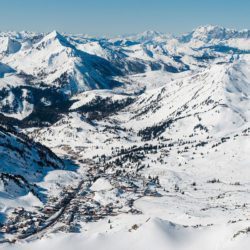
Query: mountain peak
151	33
208	27
55	36
147	36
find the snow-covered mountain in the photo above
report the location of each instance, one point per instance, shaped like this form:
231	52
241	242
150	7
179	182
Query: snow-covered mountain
210	34
24	164
72	64
144	135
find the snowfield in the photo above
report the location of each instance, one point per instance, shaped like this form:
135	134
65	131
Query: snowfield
136	142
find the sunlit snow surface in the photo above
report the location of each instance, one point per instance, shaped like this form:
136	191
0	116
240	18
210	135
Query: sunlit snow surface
201	115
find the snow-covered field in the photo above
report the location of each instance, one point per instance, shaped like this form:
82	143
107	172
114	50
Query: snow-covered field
145	141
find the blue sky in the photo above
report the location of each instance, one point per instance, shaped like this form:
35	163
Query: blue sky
111	17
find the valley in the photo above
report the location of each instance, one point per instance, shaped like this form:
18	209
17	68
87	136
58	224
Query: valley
107	141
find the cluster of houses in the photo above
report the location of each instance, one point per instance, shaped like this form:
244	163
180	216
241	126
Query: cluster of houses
85	207
22	222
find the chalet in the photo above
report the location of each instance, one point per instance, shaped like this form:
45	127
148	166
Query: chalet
49	210
18	210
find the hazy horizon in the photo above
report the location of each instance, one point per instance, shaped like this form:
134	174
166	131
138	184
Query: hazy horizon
111	18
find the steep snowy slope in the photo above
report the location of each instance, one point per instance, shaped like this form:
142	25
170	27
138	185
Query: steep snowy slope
5	69
23	164
218	96
57	63
161	153
8	46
